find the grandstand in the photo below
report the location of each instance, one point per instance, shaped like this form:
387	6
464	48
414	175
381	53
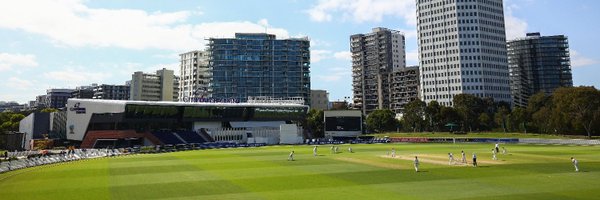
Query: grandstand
117	123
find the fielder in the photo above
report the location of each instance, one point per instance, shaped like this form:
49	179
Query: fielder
393	152
315	151
350	150
497	147
291	157
332	149
575	163
494	155
474	160
450	159
503	151
335	150
416	164
464	157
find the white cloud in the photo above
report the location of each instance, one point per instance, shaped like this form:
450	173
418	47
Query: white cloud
10	61
335	74
21	84
363	10
318	55
515	27
319	43
412	57
409	34
172	66
263	22
71	77
343	55
72	23
578	60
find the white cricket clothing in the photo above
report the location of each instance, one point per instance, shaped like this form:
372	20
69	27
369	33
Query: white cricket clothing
416	164
576	164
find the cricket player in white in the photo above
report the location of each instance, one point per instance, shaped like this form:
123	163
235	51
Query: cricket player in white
416	164
291	157
494	154
350	150
464	157
332	149
393	152
335	150
503	151
575	163
450	159
315	151
474	160
497	147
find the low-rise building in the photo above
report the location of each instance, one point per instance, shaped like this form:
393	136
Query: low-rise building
319	99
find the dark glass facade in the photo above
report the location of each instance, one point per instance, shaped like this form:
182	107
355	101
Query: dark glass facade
538	64
256	64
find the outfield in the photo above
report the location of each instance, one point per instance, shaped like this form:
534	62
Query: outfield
527	172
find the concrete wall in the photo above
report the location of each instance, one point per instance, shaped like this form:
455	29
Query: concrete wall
290	134
77	122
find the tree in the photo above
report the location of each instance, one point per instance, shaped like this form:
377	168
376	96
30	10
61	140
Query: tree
581	103
10	121
519	118
315	122
501	117
381	120
535	103
449	115
414	115
433	115
49	110
542	120
469	108
485	121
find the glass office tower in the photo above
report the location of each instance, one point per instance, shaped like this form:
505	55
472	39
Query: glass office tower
258	64
538	64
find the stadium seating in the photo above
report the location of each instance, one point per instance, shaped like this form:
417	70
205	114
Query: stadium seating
25	159
167	137
190	137
205	135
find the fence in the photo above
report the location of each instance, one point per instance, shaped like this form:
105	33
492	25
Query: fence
559	141
495	140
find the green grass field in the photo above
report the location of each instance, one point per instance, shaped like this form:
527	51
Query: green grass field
483	135
526	172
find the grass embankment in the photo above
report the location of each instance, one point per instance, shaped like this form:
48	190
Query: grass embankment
526	172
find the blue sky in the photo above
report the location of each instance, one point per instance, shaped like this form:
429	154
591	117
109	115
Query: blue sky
67	43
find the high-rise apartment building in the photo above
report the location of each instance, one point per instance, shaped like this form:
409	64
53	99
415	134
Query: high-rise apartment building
404	87
374	56
114	92
462	50
161	86
538	64
258	64
195	76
